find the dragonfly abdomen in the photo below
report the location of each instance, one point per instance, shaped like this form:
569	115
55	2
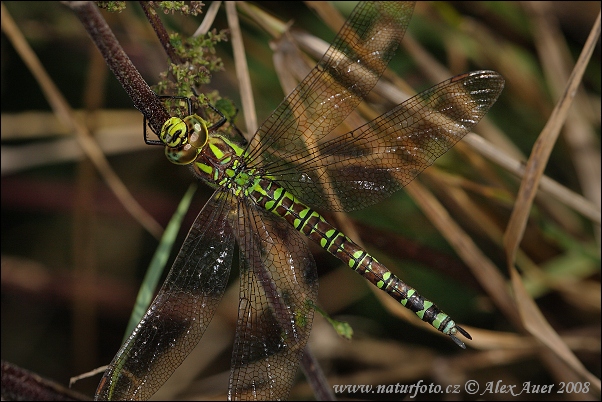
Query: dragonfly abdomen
274	198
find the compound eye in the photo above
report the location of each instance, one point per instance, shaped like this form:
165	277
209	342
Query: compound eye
182	155
174	132
199	134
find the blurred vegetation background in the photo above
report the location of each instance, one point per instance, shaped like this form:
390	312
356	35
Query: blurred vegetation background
73	258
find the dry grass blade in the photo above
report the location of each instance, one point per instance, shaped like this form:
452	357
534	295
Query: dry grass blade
66	115
546	186
208	19
242	70
578	129
543	147
532	318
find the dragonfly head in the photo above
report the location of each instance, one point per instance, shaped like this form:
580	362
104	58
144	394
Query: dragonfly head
184	138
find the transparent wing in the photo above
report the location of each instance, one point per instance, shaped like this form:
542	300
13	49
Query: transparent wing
365	165
180	313
279	283
342	78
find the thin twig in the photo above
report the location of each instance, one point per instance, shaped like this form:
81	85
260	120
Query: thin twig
67	117
120	64
161	32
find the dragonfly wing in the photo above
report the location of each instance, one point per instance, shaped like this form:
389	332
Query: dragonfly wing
370	163
182	310
342	78
279	285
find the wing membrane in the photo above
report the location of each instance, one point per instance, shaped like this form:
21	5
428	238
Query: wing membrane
370	163
180	313
278	286
342	78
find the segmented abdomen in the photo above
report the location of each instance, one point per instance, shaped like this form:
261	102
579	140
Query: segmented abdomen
273	197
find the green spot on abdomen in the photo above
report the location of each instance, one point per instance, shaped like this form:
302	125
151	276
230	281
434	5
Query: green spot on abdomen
427	305
386	277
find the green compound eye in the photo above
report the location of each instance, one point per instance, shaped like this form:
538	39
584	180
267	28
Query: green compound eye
182	155
197	129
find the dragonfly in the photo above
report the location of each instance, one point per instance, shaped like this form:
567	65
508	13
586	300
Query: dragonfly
266	198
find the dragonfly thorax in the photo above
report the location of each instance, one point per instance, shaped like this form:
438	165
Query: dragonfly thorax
221	163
